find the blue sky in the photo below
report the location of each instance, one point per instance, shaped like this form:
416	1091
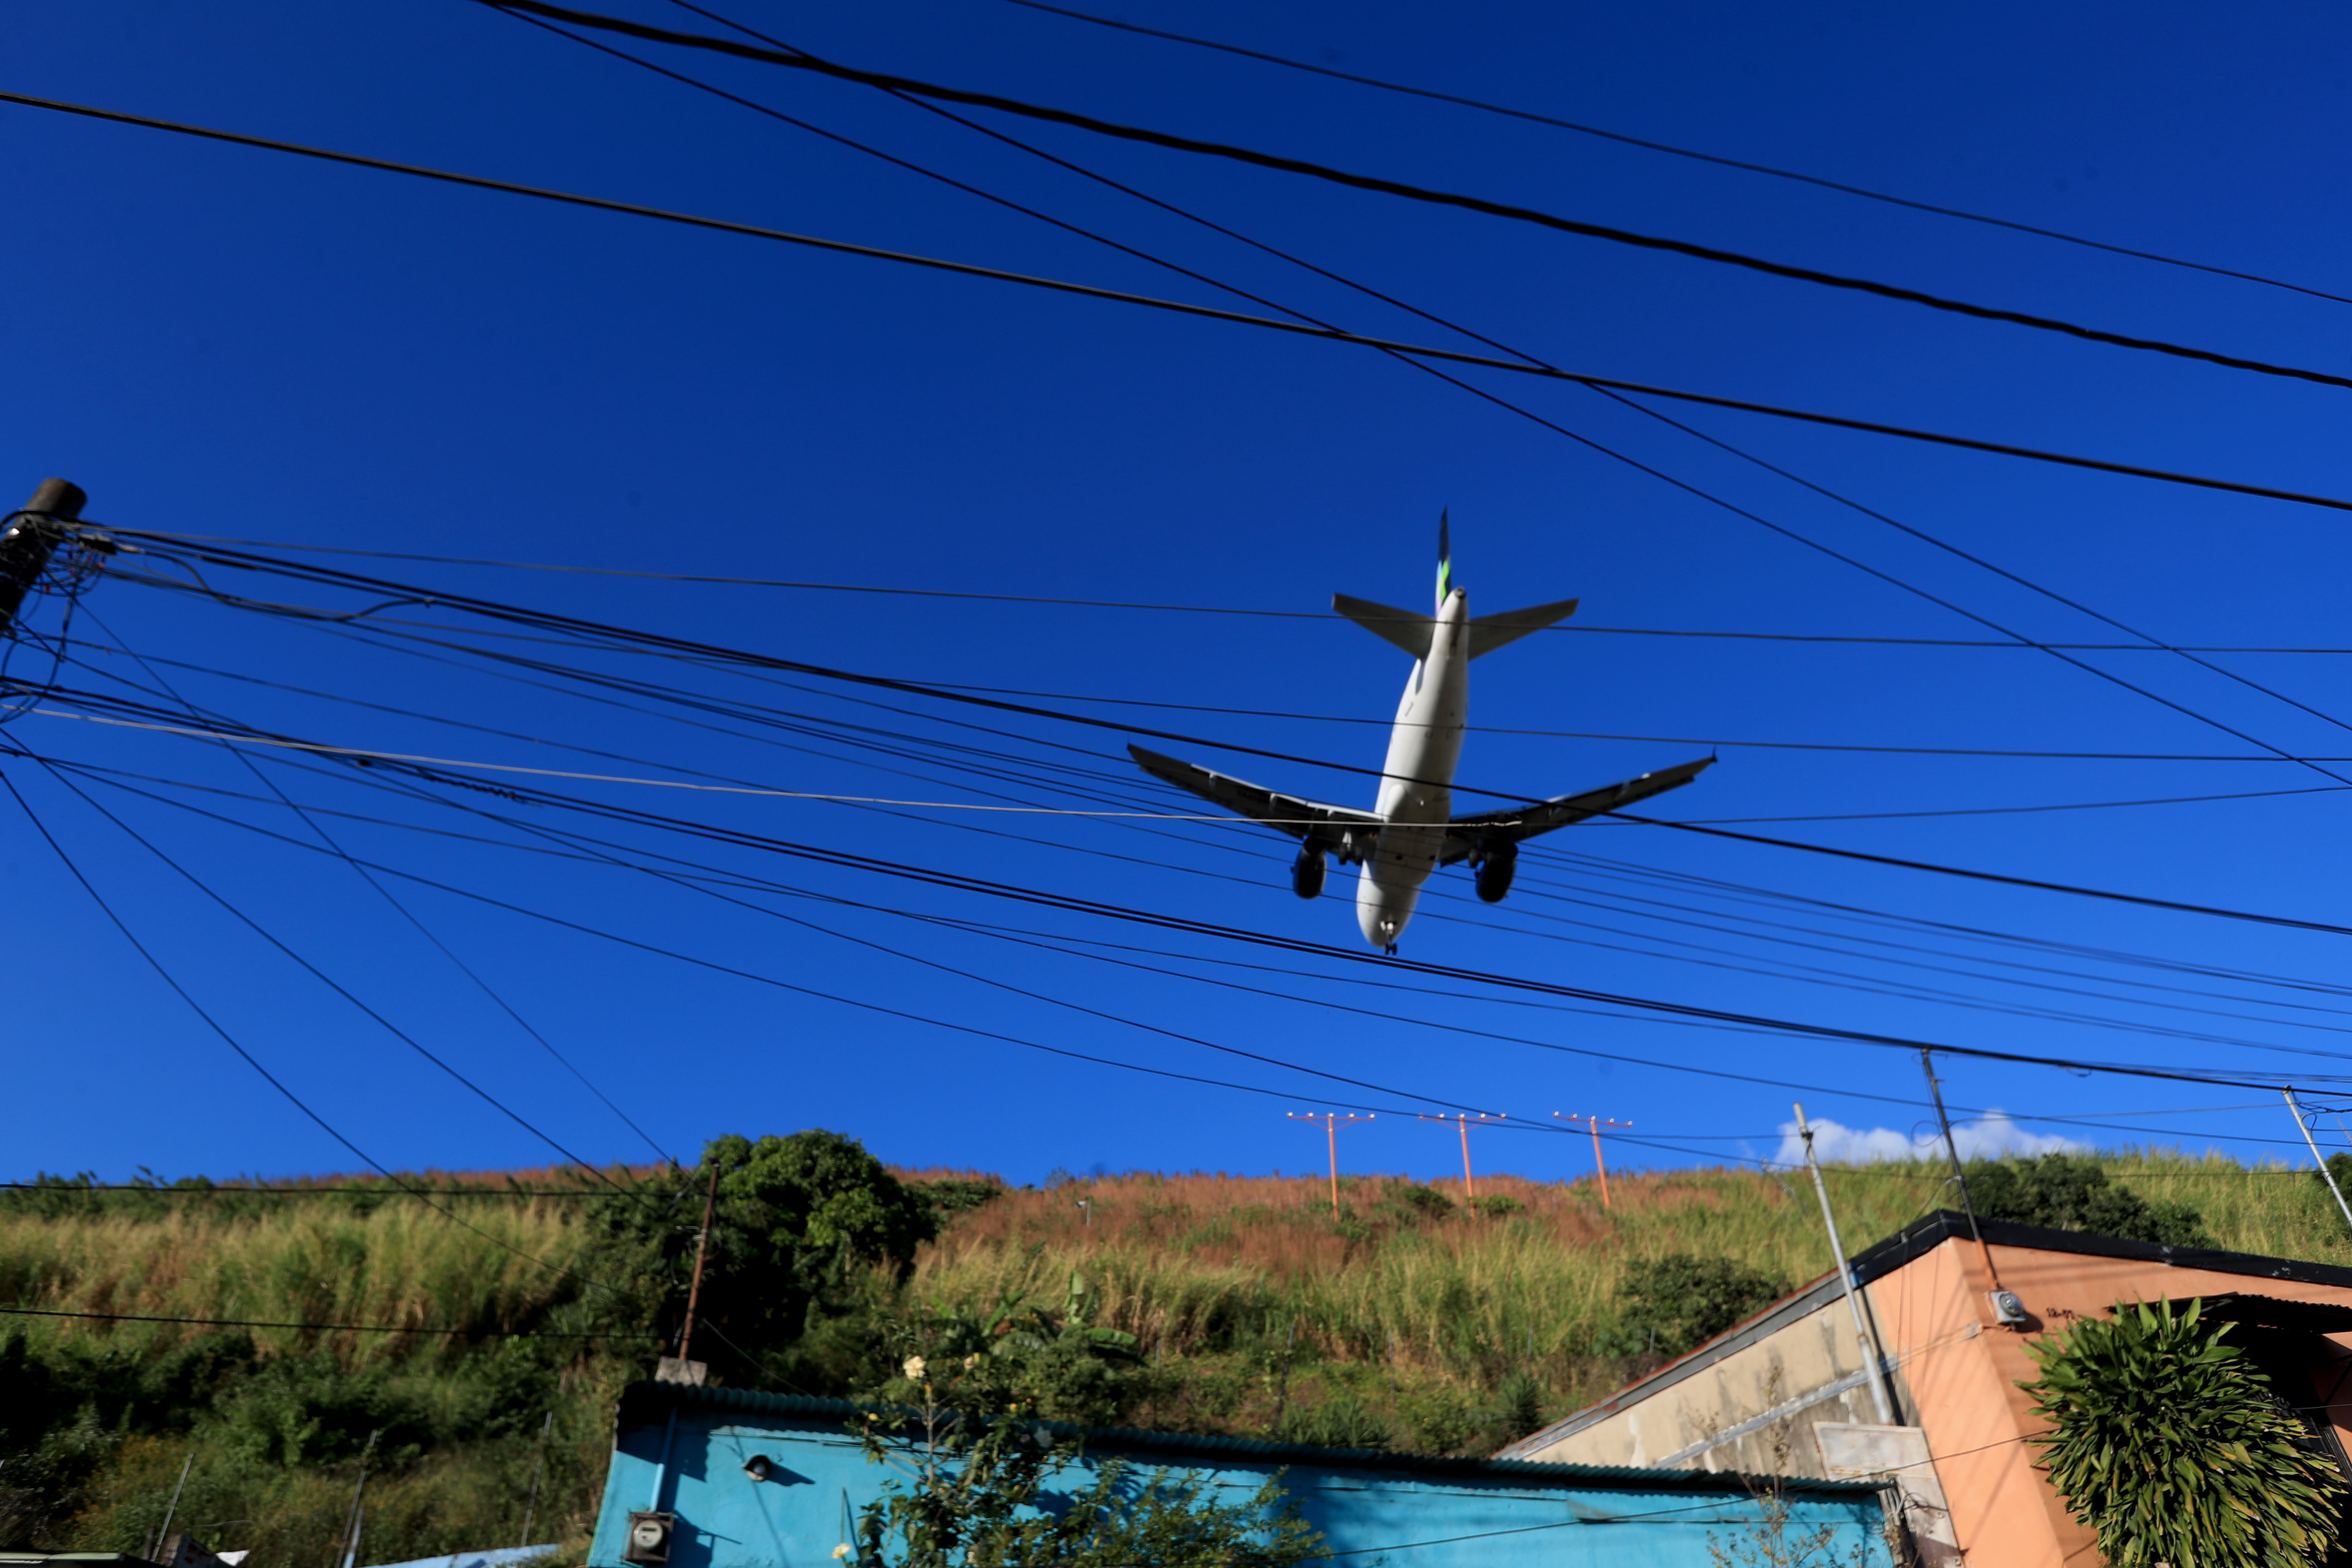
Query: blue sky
224	342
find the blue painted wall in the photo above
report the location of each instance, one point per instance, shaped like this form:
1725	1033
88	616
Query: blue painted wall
684	1450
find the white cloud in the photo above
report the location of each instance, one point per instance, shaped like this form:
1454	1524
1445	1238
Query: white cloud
1989	1138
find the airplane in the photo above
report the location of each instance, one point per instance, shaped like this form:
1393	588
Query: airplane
1408	834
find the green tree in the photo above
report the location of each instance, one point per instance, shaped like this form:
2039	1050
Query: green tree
1686	1299
2071	1192
968	1433
797	1220
2176	1449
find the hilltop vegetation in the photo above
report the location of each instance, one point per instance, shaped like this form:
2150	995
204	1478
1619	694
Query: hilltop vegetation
1412	1320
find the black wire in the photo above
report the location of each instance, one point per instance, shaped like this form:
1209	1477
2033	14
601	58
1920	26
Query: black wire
802	60
491	610
1260	300
846	860
250	1060
403	909
1176	307
1682	151
1047	939
327	1328
1186	609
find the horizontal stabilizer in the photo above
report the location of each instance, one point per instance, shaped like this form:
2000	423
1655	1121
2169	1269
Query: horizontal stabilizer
1409	629
1488	633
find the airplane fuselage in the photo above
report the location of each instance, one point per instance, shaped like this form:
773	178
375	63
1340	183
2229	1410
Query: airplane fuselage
1416	796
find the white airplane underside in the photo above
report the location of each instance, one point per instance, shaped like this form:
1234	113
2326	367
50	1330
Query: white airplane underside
1410	832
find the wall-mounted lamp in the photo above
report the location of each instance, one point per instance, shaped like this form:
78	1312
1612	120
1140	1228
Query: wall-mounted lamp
758	1467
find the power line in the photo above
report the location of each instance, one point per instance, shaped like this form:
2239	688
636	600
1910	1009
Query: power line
1580	628
401	909
1073	904
994	931
802	60
323	1328
1177	307
492	610
1680	152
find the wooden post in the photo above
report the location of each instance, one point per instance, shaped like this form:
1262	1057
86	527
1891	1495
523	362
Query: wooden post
29	538
701	1250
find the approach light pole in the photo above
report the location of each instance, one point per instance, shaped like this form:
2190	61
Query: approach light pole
1331	1121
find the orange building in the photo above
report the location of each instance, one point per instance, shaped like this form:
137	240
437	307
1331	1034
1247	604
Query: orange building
1790	1390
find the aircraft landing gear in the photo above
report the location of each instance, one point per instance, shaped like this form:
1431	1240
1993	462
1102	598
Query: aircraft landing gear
1390	950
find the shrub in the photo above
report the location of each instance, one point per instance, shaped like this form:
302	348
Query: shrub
2176	1449
1518	1406
1417	1202
1498	1203
2071	1192
1684	1299
1342	1422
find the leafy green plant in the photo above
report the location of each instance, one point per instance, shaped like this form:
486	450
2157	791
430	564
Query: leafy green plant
1415	1202
1686	1299
1340	1422
967	1432
1498	1203
2175	1448
2071	1192
797	1219
1518	1406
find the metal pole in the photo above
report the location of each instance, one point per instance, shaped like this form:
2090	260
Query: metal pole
1935	1092
1331	1143
351	1525
1600	1166
2305	1128
28	540
1879	1393
1469	1192
163	1534
538	1470
702	1249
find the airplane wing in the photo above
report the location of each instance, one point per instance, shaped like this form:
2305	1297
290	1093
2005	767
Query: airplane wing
1333	825
1463	835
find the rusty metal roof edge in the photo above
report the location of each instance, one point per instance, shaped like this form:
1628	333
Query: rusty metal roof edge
1254	1451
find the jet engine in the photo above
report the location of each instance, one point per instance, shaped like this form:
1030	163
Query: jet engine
1307	872
1495	868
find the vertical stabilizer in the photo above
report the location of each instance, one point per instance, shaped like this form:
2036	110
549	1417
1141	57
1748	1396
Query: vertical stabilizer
1445	561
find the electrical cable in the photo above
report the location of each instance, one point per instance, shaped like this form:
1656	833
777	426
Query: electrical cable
802	60
1575	626
976	928
1072	903
401	909
1682	151
230	1040
491	610
324	1328
1176	307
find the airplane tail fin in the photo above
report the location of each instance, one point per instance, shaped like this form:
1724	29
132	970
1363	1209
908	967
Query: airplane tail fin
1488	633
1444	559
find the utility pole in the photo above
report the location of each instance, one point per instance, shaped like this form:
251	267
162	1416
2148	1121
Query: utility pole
2005	1307
351	1557
701	1250
30	537
1596	1123
1871	1358
1330	1120
163	1531
1466	1122
538	1470
2329	1176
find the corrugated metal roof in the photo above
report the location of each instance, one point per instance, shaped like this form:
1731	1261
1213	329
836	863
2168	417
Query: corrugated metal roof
1250	1450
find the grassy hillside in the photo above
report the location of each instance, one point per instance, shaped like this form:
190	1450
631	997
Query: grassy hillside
1412	1320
